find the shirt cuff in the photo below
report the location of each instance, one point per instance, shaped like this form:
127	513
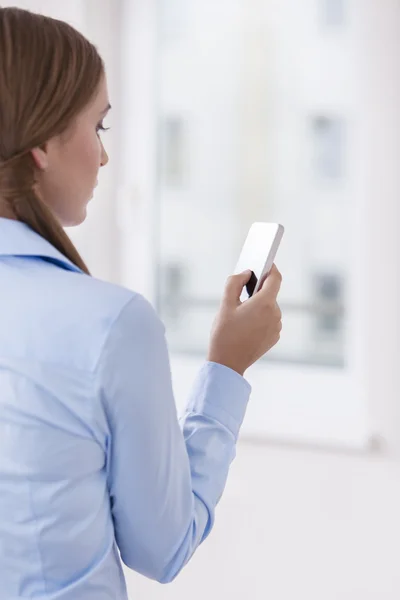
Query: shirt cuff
222	394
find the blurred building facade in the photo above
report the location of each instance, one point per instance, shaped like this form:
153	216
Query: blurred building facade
256	113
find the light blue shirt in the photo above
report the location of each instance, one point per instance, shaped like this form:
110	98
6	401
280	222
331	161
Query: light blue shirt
93	458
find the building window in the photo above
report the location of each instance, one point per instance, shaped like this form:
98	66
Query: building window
174	153
173	21
328	148
327	332
333	12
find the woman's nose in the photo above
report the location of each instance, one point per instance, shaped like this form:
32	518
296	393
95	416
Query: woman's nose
104	156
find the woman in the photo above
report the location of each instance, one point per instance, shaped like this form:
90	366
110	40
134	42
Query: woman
92	457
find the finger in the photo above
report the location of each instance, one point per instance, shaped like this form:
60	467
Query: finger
272	284
234	287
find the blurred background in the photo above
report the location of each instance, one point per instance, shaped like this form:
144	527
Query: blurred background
227	112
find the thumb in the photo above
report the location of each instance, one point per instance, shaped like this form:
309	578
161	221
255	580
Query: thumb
234	287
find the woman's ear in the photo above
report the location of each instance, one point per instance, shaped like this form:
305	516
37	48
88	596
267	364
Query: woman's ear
40	157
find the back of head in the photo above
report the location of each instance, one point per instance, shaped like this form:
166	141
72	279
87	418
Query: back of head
49	72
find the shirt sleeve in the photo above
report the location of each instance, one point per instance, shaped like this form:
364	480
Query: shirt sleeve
164	477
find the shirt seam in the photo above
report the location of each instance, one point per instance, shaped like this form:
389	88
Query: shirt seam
193	413
47	362
92	370
130	300
223	410
98	403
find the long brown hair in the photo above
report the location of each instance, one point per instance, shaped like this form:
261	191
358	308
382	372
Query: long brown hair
49	72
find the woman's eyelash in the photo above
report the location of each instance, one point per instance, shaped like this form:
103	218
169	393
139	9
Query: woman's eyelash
101	128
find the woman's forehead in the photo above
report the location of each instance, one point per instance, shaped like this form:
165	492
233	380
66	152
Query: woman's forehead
100	102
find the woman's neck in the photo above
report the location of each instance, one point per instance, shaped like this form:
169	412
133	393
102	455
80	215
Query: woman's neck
6	212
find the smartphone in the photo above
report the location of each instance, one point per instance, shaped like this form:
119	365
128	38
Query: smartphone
258	254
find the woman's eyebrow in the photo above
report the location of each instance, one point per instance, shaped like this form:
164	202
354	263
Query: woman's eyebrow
105	111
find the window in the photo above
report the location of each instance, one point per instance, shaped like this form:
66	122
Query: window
328	141
174	152
247	149
333	12
172	20
328	327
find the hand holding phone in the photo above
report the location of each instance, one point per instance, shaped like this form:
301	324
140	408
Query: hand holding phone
258	255
244	331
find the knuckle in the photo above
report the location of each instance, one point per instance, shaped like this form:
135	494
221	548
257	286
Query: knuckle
277	274
230	282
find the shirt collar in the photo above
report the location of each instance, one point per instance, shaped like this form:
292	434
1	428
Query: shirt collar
18	239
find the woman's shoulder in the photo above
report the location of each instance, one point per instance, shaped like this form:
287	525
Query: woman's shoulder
104	303
90	291
109	315
70	315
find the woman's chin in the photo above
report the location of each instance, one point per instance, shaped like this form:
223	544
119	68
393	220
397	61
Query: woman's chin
75	220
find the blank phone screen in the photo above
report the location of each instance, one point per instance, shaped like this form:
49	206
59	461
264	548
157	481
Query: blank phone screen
255	254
